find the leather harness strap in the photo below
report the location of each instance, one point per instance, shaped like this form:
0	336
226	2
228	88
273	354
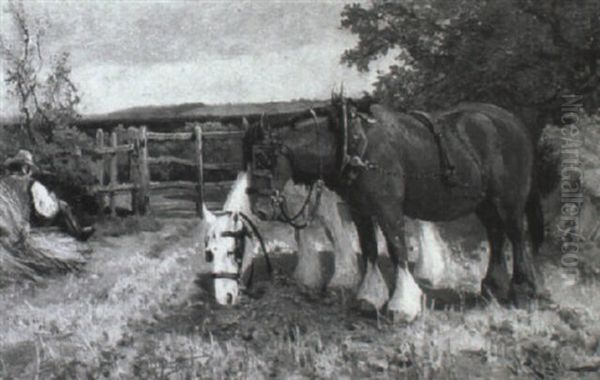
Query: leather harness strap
345	157
240	245
435	129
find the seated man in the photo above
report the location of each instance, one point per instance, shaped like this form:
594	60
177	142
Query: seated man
46	206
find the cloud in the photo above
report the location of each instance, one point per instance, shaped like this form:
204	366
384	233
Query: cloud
138	53
309	72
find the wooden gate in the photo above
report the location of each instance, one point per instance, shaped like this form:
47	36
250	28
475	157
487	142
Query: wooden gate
140	185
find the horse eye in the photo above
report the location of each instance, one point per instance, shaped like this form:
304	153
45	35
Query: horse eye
209	256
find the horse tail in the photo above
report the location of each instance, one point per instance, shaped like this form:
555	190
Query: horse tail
545	178
535	219
547	164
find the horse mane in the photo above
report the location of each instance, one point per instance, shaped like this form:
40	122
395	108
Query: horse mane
237	199
319	111
253	135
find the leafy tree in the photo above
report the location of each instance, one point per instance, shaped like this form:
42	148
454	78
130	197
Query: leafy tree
520	54
59	97
47	100
44	104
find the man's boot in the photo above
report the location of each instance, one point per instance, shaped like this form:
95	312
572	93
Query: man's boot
72	226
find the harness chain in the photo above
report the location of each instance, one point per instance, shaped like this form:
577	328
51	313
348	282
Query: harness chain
471	152
282	202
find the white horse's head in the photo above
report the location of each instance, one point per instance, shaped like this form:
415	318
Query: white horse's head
229	244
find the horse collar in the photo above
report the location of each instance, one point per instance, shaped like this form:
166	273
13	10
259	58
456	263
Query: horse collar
354	145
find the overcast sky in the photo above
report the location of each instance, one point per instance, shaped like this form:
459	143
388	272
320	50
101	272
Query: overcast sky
128	53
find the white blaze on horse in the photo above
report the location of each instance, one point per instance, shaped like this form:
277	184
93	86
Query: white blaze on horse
230	243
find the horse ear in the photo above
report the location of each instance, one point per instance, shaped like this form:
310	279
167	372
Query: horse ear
258	131
245	123
264	122
342	91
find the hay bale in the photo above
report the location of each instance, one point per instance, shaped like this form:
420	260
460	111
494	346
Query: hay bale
584	153
24	255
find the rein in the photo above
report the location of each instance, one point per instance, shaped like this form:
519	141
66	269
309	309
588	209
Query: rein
282	202
261	241
291	220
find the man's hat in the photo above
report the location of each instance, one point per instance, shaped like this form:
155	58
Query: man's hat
24	157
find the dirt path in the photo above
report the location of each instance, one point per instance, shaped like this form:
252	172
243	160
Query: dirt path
137	313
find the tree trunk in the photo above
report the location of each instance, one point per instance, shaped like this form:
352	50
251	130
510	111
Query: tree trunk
28	127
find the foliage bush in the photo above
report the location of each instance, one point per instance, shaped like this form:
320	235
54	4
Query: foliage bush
64	166
524	55
47	98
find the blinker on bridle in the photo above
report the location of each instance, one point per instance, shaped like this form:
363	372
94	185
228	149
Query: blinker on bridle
238	252
240	246
264	158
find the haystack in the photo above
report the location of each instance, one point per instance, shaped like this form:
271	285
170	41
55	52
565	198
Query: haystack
24	255
578	154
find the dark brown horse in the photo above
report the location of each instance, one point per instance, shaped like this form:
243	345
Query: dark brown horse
400	174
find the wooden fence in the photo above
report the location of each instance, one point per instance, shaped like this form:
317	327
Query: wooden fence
140	186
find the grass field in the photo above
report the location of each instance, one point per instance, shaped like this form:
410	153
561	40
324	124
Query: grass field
138	312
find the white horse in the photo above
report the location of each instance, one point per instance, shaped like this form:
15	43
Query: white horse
229	245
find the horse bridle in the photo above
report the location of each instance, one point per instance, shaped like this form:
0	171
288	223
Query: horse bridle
240	245
272	149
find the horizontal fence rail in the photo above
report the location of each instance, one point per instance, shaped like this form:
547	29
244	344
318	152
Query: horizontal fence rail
174	184
223	166
224	135
114	150
160	136
173	194
171	160
120	187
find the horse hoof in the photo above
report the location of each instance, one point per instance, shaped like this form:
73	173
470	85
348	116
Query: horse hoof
365	308
404	310
545	297
491	291
522	295
401	316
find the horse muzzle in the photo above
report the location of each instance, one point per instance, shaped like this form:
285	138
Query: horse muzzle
227	288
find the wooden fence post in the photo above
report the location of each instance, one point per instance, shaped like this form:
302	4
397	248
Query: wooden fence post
134	175
113	173
199	163
100	170
144	171
139	168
